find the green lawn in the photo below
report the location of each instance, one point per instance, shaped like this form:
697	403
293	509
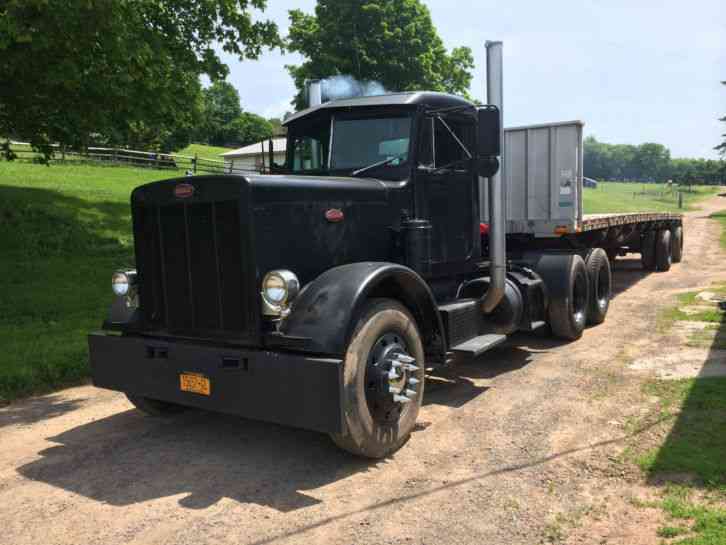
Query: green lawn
63	229
204	152
635	197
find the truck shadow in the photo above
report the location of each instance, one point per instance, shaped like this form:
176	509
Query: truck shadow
36	409
627	271
127	458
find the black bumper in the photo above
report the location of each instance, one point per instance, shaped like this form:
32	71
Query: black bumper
278	387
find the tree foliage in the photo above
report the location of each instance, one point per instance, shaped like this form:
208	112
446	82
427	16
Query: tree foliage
390	41
647	162
225	123
116	71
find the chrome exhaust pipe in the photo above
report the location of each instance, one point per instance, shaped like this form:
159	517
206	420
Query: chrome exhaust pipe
496	197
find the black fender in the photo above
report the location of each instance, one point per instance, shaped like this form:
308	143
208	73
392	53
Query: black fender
326	310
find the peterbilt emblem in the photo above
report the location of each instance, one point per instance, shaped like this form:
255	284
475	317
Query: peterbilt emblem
182	191
334	215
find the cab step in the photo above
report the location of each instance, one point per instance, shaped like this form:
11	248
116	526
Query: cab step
479	345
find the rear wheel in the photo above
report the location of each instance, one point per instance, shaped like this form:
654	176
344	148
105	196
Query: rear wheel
647	251
598	271
677	244
663	246
154	407
383	381
568	313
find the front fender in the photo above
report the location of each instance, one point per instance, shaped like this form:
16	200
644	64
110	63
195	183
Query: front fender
327	308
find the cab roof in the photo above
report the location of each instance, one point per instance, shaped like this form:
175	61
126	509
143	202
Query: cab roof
413	98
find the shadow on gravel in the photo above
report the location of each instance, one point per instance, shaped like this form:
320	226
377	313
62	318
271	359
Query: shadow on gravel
36	409
627	271
128	458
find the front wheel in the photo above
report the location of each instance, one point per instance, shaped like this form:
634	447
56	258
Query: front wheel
383	380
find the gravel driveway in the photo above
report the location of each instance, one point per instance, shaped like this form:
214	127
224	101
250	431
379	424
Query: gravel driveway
515	447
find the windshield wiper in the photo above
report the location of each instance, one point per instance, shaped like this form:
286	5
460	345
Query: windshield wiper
378	164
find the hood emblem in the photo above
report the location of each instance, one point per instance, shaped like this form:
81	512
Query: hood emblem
183	191
334	215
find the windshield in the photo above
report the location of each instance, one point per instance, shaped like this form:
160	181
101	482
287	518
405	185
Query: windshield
357	143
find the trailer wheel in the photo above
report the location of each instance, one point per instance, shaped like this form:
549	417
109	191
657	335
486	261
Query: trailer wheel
677	244
647	251
663	250
598	271
383	381
568	314
154	407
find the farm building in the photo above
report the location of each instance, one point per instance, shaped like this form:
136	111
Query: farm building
255	157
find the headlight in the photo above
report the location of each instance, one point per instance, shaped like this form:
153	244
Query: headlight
279	288
122	282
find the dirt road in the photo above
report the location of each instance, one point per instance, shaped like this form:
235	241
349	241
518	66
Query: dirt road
514	450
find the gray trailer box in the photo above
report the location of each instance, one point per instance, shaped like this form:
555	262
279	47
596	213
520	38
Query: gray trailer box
542	172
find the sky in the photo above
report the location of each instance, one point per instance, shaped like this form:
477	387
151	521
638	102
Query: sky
634	71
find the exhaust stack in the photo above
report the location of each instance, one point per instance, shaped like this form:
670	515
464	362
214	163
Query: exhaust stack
495	198
315	93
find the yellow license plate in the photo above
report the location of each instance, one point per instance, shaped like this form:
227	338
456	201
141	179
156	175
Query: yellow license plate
195	383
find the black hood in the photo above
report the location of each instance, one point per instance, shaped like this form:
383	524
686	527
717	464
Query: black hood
310	224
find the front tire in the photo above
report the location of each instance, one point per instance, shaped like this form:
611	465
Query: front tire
377	420
154	407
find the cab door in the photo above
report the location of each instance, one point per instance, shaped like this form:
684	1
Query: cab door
447	182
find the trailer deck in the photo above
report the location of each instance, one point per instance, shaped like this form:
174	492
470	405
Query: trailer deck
591	222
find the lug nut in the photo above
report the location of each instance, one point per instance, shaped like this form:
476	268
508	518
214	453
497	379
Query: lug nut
413	381
394	390
411	368
410	393
400	399
404	358
392	375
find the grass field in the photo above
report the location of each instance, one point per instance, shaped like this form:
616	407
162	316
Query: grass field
63	230
204	152
629	197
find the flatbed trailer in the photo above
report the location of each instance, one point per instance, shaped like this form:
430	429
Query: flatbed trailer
390	242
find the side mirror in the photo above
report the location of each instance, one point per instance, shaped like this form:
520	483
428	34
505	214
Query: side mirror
488	131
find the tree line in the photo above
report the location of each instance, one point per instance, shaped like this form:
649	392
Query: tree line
648	162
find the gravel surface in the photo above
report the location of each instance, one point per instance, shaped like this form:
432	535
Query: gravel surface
518	446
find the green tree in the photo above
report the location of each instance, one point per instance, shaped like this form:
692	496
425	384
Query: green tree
221	108
390	41
651	161
249	128
116	71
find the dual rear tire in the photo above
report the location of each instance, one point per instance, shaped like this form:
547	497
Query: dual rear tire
661	248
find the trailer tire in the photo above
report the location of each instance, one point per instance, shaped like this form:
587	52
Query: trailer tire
372	427
568	313
663	250
600	276
677	244
647	251
154	407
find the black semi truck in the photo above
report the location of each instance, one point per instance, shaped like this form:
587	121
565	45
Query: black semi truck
317	296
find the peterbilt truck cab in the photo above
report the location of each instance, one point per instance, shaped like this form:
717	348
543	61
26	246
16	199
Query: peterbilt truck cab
315	296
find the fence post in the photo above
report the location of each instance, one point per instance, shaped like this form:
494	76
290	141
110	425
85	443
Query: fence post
195	163
680	199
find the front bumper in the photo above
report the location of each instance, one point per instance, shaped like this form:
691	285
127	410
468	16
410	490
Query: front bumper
284	388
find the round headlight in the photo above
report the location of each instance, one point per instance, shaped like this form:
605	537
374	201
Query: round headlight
280	287
120	283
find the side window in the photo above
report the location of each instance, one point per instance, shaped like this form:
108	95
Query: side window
426	143
446	148
309	154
